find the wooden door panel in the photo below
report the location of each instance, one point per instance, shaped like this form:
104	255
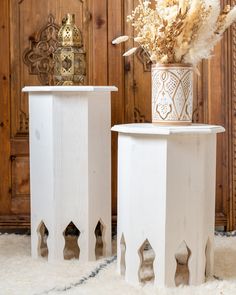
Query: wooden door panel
20	176
4	109
116	76
20	181
216	112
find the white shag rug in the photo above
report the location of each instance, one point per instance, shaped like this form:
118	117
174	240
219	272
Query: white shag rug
21	275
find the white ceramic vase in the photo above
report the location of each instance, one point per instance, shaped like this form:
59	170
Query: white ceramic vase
172	93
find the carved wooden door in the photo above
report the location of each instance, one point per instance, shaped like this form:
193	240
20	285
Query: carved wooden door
28	34
28	28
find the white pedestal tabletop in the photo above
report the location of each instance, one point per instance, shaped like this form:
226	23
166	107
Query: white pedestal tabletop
70	165
166	195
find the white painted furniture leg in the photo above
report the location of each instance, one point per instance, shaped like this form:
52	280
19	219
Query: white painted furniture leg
84	248
56	244
170	265
107	242
132	263
210	256
35	241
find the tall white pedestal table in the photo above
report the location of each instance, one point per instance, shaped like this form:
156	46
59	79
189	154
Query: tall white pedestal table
166	196
70	168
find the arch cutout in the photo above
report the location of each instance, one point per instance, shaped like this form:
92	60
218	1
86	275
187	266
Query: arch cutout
147	257
71	235
182	270
100	243
43	234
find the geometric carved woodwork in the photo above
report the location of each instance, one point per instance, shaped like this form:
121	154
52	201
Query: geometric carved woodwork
24	123
144	59
138	117
39	56
196	115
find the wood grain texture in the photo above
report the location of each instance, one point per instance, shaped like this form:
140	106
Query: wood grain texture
115	77
130	83
216	113
99	52
232	120
14	222
5	177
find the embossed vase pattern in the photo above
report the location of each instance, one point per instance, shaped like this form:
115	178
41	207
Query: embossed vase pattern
172	94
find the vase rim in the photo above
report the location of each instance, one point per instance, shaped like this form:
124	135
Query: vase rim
182	65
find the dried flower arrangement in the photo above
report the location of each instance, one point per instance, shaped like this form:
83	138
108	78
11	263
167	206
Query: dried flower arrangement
178	31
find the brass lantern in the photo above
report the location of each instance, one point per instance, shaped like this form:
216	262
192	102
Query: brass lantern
69	58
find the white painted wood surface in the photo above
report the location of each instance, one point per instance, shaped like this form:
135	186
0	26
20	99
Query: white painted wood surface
166	194
70	165
69	89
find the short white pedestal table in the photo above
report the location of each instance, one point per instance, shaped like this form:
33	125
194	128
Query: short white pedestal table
70	166
166	195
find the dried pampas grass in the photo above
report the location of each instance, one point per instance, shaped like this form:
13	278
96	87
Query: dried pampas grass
130	51
120	39
178	31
